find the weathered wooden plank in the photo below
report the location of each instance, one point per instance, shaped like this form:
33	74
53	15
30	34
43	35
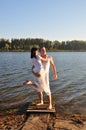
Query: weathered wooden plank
41	109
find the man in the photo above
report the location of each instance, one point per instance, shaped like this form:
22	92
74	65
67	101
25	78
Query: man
46	65
45	78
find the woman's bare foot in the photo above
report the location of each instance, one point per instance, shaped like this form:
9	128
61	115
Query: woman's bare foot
27	82
41	103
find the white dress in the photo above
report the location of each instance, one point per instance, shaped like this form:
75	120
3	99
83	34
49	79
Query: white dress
41	81
37	64
46	66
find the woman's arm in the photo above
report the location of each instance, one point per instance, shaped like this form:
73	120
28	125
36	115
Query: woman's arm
36	74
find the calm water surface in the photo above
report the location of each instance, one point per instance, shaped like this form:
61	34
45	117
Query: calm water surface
69	88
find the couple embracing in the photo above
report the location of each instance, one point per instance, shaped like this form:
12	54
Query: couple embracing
41	65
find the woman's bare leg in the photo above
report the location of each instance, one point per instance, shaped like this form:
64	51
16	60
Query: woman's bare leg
40	94
30	83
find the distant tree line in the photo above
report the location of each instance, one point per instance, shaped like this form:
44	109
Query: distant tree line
27	44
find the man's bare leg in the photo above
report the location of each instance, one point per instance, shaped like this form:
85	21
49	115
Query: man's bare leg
49	101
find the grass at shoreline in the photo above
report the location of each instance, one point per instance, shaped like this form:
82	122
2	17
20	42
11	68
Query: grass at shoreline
47	51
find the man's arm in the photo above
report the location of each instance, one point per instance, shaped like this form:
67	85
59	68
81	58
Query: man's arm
53	68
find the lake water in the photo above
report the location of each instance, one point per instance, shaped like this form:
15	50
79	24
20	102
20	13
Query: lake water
69	88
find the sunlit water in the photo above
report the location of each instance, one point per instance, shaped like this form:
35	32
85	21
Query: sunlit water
69	88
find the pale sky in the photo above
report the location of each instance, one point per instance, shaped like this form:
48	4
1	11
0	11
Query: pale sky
60	20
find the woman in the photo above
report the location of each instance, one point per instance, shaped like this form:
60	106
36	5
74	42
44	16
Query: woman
37	60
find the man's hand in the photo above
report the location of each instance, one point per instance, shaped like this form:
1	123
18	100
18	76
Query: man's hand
55	76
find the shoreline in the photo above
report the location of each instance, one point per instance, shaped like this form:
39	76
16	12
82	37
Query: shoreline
61	120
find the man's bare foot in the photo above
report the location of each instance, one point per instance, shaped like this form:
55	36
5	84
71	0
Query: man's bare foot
27	82
49	107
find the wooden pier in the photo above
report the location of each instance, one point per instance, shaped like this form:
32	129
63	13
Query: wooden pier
40	109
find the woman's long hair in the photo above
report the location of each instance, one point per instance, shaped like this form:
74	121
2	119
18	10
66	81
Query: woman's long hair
33	52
